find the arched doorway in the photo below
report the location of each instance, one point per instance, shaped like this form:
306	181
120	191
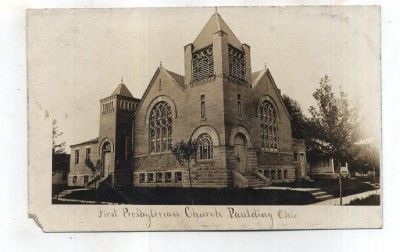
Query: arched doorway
240	149
106	158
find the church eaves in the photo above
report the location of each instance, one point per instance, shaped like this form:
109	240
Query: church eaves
215	24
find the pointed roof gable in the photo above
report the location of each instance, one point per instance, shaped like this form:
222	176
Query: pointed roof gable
122	90
179	80
257	76
215	24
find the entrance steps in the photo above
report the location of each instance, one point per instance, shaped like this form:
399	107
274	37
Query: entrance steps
320	194
98	181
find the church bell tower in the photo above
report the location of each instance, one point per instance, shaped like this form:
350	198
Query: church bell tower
116	136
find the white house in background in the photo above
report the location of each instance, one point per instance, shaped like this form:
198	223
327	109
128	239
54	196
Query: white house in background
325	167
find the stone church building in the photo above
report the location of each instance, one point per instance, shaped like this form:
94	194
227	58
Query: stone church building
236	116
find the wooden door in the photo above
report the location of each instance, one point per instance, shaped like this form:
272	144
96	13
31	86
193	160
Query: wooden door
107	163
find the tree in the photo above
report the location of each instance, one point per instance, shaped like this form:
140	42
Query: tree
58	147
185	153
60	159
298	120
334	122
366	158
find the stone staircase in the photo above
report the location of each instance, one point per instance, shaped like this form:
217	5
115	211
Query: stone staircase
98	181
320	194
254	181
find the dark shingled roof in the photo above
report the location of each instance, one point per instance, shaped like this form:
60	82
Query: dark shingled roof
215	24
177	77
122	90
255	77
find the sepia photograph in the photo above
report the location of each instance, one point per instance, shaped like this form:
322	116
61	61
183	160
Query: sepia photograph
226	113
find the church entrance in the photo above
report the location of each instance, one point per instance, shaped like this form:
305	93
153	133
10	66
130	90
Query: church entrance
106	159
240	149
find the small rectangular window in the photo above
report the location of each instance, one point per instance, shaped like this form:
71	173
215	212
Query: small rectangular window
74	179
150	177
178	177
85	179
295	157
285	174
203	106
142	177
168	177
159	177
77	156
239	104
88	153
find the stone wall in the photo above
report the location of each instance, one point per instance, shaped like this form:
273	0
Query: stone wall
204	173
279	174
80	169
79	178
273	164
266	158
211	173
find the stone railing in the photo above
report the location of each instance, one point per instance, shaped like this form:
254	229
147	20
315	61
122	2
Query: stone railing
239	181
266	180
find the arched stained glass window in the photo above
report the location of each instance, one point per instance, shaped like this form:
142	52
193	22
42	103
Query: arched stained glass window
160	127
269	126
204	146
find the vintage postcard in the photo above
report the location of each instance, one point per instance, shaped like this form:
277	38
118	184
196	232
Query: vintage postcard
228	118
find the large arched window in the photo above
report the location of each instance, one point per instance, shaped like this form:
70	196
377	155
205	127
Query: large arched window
204	146
269	126
160	127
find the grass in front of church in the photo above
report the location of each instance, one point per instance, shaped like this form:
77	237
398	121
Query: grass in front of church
196	196
331	186
372	200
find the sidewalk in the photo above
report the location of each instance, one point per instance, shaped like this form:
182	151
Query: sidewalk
347	199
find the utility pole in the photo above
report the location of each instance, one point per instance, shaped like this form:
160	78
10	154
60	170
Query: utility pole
340	187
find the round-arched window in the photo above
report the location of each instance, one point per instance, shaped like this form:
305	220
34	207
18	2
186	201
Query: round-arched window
269	126
160	127
204	146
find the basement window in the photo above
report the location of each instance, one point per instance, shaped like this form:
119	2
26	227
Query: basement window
150	177
159	177
168	177
142	177
178	177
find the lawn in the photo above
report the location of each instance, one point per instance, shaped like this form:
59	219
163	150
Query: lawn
372	200
225	196
349	186
197	196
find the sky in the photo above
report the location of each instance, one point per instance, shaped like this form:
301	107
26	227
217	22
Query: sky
76	57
